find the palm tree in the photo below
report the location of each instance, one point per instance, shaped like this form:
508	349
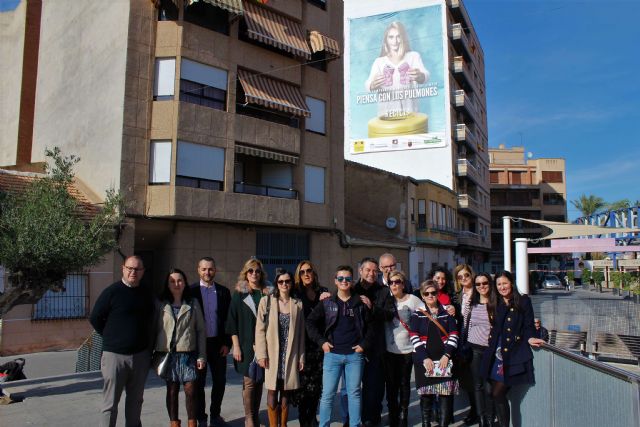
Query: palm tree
589	205
619	204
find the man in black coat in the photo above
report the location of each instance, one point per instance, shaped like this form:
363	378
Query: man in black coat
540	332
214	300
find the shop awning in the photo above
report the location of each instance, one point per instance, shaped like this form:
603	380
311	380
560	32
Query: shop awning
266	154
276	30
562	229
271	93
319	42
233	6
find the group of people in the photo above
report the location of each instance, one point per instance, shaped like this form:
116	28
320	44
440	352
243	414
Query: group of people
300	342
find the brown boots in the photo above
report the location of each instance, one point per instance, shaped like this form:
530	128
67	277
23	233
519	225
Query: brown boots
192	423
273	415
174	423
284	415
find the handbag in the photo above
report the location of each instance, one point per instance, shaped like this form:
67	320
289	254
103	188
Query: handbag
438	371
160	362
256	372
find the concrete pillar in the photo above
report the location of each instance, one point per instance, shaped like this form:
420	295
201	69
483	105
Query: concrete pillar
506	227
522	266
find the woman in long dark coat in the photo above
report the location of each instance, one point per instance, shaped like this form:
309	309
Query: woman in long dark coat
508	360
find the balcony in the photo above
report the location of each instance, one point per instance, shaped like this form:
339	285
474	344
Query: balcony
265	190
459	11
469	238
467	169
460	40
465	201
463	72
463	133
462	101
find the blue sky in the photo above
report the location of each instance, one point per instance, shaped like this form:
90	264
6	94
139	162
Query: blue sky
562	79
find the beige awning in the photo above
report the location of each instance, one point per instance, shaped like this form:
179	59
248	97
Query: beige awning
271	93
266	154
276	30
560	230
319	42
233	6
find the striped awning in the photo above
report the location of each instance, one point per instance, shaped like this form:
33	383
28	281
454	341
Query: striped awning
276	30
271	93
233	6
319	42
266	154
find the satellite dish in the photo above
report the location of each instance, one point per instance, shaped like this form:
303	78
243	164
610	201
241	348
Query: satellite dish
391	223
529	155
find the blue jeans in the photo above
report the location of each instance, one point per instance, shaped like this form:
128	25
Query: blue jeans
334	366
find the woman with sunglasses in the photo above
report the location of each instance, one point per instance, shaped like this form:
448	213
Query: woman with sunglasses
434	336
307	397
280	346
241	325
508	359
463	275
475	336
398	360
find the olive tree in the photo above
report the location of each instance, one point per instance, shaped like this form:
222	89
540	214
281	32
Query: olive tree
45	233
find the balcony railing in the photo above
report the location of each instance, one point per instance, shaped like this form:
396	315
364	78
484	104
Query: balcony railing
468	169
462	100
441	228
265	190
459	11
573	390
460	38
462	67
463	133
466	237
465	201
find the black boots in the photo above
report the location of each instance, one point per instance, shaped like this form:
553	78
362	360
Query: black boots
446	409
502	411
426	404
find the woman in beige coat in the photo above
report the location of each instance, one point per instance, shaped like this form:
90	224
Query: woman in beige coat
181	331
280	346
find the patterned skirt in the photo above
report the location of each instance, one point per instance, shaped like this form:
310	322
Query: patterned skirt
445	388
182	367
310	379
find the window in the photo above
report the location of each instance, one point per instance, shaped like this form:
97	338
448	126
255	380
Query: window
200	166
433	214
167	10
160	162
165	76
316	122
313	184
208	16
516	177
203	85
263	177
322	4
553	199
551	176
319	60
422	214
72	303
494	177
281	249
413	210
442	217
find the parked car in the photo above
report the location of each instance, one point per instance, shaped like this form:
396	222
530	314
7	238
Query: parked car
551	281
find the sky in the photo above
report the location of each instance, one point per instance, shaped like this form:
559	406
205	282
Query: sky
562	81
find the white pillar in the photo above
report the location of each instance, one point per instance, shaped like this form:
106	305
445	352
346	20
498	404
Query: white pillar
506	227
522	266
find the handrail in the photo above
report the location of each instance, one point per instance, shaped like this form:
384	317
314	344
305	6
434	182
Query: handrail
590	363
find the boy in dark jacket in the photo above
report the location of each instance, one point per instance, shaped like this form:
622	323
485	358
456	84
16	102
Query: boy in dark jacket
340	325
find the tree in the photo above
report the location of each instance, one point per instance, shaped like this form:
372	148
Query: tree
588	205
619	204
43	235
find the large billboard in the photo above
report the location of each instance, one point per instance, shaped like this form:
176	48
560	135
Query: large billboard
397	88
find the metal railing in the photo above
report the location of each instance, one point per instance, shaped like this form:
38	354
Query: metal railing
89	354
265	190
572	390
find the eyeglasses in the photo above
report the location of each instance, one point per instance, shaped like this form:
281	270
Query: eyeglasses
284	282
387	266
347	279
484	283
430	294
132	269
251	271
464	276
396	282
307	271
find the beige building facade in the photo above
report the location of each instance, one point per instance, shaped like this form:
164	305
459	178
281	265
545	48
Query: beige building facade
524	187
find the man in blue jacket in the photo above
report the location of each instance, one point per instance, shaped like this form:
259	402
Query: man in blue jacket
340	325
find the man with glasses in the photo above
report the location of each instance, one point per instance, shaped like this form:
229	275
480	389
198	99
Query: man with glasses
214	300
388	264
123	314
540	332
341	326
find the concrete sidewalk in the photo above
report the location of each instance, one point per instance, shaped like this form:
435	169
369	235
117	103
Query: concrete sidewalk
73	400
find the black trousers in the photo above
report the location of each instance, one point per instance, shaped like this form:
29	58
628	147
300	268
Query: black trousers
217	365
397	370
481	388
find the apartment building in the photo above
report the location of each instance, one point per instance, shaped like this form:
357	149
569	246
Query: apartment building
220	121
525	187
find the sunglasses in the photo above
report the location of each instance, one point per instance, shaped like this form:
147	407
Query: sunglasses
344	279
430	294
396	282
251	271
485	283
284	282
464	276
307	271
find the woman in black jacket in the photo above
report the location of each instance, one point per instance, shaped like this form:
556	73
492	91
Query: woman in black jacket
508	359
